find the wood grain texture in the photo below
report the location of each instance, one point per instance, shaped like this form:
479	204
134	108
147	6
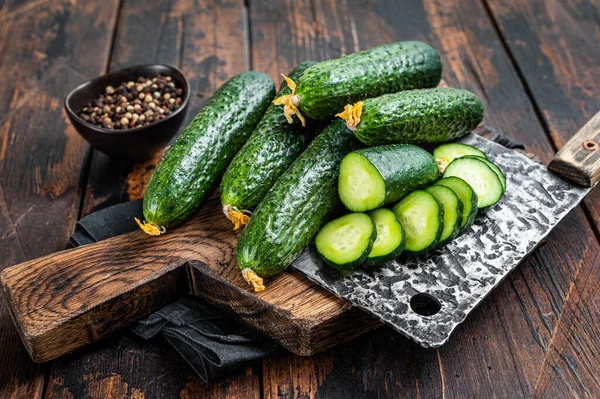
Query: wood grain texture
205	40
65	301
46	48
579	159
553	43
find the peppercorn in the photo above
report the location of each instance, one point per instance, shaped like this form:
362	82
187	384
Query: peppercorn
134	103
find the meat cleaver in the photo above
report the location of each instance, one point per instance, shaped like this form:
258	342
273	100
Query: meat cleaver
426	297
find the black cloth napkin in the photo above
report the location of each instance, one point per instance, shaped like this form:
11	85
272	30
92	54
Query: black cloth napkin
211	343
208	340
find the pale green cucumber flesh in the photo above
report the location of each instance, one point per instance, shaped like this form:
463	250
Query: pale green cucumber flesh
467	197
452	210
448	152
360	185
345	242
421	216
482	179
390	239
498	172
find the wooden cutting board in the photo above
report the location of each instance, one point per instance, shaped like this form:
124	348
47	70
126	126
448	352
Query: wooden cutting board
67	300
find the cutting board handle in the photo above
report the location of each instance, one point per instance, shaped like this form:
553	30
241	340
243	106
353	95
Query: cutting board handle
69	299
579	159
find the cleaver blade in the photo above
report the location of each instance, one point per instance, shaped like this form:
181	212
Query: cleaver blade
425	298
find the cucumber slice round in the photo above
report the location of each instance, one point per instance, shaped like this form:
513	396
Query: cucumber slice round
446	153
498	172
482	179
345	242
421	216
390	239
467	197
453	208
360	186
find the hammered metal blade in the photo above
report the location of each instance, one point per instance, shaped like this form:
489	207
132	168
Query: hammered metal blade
465	271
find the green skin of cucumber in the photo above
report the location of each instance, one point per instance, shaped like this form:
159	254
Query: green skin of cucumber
191	168
433	191
448	182
403	167
348	266
378	260
426	116
325	88
299	203
269	151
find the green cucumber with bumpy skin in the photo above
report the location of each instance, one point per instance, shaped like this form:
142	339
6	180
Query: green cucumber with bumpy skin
376	176
296	207
426	116
325	88
190	170
269	151
345	242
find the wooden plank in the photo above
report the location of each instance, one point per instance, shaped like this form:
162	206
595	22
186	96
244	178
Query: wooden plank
553	43
500	344
572	363
137	369
183	34
550	42
47	48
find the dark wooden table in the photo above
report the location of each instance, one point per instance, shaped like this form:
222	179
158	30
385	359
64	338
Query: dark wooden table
536	65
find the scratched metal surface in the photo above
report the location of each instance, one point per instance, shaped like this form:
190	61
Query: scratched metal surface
465	271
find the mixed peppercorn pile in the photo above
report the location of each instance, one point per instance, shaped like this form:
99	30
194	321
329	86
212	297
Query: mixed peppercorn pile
134	104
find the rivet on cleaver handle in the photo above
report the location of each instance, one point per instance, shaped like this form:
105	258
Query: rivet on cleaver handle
579	159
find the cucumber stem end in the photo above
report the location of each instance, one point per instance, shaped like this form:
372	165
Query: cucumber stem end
239	217
251	277
150	228
351	114
290	103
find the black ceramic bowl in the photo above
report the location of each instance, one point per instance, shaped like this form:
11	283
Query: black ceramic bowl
136	144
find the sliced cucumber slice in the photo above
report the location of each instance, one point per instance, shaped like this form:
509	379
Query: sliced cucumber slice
467	197
446	153
498	172
453	208
360	186
482	179
390	239
421	216
345	242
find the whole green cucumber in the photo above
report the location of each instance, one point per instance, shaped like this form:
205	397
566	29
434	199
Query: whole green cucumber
376	176
294	210
325	88
416	116
192	167
269	151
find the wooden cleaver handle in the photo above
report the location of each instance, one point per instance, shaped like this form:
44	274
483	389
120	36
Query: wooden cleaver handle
579	159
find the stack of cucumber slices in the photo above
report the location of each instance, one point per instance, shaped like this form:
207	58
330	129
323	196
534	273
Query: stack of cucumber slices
425	213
